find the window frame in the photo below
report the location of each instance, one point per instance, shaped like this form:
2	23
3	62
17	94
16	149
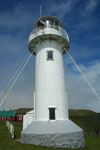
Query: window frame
48	58
52	117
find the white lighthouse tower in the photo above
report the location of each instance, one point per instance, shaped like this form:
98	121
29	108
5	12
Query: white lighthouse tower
50	125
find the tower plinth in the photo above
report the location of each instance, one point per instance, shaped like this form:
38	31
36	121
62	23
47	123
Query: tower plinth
50	125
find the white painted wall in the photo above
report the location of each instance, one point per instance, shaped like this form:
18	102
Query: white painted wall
49	82
28	118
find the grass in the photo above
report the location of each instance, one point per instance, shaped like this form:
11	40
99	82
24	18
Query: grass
87	120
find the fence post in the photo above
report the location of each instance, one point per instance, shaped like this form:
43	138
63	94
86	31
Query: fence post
11	128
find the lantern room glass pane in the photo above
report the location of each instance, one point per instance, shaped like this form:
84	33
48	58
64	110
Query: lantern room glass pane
40	26
47	24
56	26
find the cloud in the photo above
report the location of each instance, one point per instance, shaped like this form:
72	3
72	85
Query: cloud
79	93
16	19
19	96
95	105
90	5
60	9
15	26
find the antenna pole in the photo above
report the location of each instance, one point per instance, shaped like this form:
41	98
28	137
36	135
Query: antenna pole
40	11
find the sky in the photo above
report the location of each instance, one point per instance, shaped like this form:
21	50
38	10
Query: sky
81	19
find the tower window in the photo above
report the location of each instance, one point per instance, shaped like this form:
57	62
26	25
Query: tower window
51	113
49	55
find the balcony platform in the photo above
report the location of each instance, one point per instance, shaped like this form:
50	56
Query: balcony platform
51	34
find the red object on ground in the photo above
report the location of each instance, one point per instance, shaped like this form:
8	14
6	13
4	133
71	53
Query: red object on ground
19	118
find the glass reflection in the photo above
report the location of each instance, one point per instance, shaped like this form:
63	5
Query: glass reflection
47	24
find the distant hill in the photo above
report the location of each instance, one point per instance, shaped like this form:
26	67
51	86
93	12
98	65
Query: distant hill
88	120
80	112
23	110
72	112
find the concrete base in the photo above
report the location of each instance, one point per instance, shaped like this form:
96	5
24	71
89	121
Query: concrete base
61	133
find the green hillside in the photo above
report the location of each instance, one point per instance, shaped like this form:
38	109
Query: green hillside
23	110
88	120
82	113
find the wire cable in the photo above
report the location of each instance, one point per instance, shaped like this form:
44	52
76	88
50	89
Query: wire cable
85	78
18	75
14	75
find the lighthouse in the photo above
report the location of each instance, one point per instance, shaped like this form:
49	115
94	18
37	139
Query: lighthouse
49	124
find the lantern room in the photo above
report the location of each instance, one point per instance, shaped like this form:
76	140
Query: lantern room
48	22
